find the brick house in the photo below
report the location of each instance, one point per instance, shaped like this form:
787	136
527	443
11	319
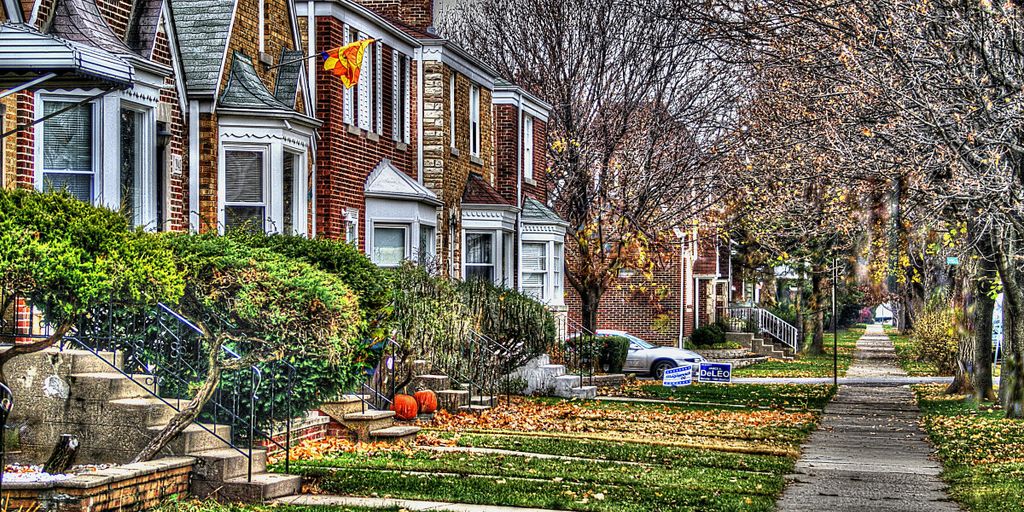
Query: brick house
171	111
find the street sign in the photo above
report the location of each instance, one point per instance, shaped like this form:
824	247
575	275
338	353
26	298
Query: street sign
715	372
952	260
678	376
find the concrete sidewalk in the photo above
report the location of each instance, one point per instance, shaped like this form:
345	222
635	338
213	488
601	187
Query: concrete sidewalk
322	500
869	452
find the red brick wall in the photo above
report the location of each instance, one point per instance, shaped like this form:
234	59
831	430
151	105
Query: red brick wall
415	13
509	155
539	188
344	159
647	308
178	190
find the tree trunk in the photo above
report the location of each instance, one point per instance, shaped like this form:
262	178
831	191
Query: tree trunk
590	300
984	306
20	349
963	314
63	456
190	412
817	307
1011	382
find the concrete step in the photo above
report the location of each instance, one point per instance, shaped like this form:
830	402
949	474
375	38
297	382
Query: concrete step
84	361
474	408
396	434
263	487
584	392
368	415
451	399
432	382
553	370
154	410
362	423
227	463
196	438
112	386
337	409
489	401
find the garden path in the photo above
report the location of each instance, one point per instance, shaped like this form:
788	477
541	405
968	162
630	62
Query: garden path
869	452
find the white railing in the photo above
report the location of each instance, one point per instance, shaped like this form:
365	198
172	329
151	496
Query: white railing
766	322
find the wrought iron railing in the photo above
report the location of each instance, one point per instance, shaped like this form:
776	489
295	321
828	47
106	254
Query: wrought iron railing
578	349
765	322
163	353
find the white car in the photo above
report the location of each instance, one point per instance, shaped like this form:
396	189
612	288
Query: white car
644	357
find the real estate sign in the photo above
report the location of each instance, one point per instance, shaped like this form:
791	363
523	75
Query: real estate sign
678	376
714	372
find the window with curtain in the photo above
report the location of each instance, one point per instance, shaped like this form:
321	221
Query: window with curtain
480	256
474	120
535	270
428	237
288	184
528	147
68	150
131	165
389	245
245	204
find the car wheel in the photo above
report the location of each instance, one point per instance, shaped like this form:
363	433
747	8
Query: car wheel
659	367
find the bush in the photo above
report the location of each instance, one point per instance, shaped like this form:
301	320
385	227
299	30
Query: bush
274	308
512	318
707	335
934	339
614	350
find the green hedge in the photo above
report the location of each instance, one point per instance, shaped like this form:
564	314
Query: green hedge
614	350
707	335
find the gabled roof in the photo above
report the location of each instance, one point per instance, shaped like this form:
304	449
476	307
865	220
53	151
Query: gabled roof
80	21
387	182
287	84
246	90
25	53
202	28
536	212
478	191
144	26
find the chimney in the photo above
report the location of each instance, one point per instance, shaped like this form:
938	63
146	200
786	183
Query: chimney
415	13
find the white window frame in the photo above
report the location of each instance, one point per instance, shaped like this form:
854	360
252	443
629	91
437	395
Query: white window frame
372	240
554	285
431	251
545	274
299	210
106	150
400	96
269	225
528	157
496	254
474	120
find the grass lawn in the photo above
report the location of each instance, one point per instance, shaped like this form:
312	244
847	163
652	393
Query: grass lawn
806	365
586	456
783	396
174	505
982	453
905	354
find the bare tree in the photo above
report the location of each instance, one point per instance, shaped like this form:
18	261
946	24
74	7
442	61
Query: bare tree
642	110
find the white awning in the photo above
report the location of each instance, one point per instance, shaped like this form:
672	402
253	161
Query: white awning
26	53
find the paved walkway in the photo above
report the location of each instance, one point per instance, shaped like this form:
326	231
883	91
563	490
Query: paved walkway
328	501
869	453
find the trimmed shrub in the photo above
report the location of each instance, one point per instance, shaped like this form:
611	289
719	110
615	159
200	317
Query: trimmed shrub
934	339
614	350
707	335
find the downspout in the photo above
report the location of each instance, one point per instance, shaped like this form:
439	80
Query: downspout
682	291
311	85
193	165
519	196
419	116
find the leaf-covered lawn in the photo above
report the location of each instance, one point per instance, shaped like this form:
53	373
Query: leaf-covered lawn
782	396
584	456
176	505
905	355
806	365
981	451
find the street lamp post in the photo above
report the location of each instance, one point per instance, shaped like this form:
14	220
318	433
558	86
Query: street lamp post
835	325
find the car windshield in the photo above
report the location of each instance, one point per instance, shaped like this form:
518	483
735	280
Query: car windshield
639	342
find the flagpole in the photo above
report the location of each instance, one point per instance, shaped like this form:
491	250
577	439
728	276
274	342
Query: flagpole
307	57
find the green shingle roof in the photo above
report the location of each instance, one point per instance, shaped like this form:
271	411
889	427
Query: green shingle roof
287	85
202	28
246	90
536	212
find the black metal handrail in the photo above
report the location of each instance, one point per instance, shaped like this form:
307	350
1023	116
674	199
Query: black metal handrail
168	348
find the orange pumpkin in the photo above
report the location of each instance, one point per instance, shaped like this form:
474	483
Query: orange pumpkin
405	407
427	400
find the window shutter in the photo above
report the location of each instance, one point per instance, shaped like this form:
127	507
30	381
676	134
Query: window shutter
243	177
346	39
407	110
395	95
365	75
378	84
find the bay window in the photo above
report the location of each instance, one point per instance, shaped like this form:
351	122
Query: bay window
389	245
68	150
480	260
541	269
245	202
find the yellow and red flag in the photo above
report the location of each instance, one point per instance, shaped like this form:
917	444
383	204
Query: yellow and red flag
346	61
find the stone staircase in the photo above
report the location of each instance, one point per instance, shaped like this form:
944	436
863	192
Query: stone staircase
451	399
548	379
367	424
114	416
768	347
